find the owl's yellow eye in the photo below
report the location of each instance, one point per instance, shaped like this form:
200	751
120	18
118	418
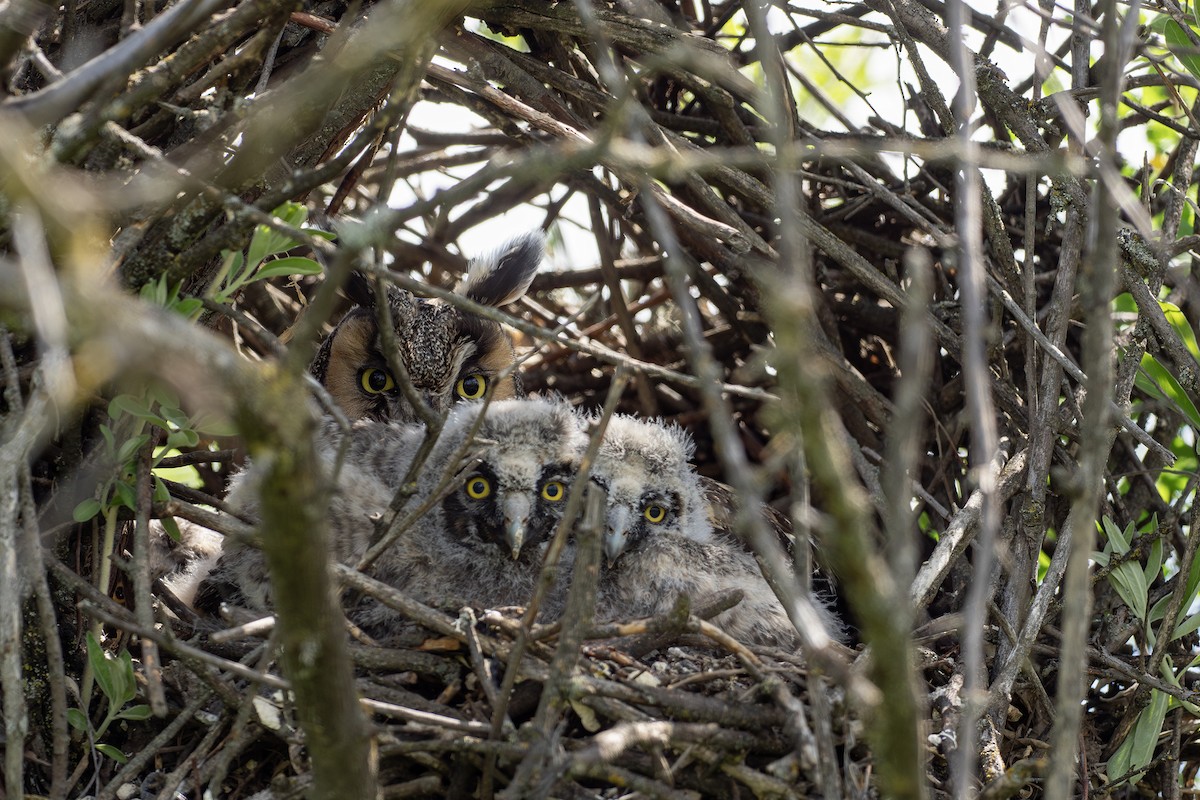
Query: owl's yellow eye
655	513
471	387
478	487
375	381
554	491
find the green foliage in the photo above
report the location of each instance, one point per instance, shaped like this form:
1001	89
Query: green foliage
124	438
1178	42
116	680
1132	582
238	269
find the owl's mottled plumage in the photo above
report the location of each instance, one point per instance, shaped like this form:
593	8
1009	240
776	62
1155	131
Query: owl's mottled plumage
644	467
449	354
481	545
359	495
660	544
484	542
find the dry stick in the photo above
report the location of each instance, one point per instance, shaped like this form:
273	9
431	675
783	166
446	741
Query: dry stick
132	768
466	626
576	620
977	377
1097	277
590	348
20	431
574	500
143	604
314	649
186	651
1186	368
174	781
1167	626
1064	361
54	102
17	435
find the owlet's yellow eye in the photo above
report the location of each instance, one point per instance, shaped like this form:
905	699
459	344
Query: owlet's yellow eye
375	381
655	513
478	487
471	387
553	491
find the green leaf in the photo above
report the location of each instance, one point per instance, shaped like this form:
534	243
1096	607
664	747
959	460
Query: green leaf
1153	569
1187	626
291	265
129	448
109	438
1138	748
233	274
1182	47
267	242
102	666
161	494
171	527
183	438
86	510
77	719
1130	584
1180	323
213	425
124	681
188	306
129	404
123	495
135	713
113	753
1117	538
1127	578
292	213
1154	379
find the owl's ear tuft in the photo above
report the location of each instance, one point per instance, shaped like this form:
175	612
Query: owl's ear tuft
359	289
503	276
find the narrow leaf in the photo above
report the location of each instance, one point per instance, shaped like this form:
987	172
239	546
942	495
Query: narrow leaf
291	265
101	666
171	527
135	713
77	719
86	510
113	753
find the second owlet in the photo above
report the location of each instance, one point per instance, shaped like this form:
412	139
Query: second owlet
659	543
450	355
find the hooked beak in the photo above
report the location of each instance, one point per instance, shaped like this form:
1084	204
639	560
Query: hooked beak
616	538
516	514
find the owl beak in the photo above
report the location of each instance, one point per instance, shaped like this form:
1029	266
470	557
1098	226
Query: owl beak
617	536
516	514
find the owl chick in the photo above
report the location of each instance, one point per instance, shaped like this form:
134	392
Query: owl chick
449	354
359	495
659	543
484	542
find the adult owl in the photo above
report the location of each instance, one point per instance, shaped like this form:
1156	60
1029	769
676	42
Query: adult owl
449	354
